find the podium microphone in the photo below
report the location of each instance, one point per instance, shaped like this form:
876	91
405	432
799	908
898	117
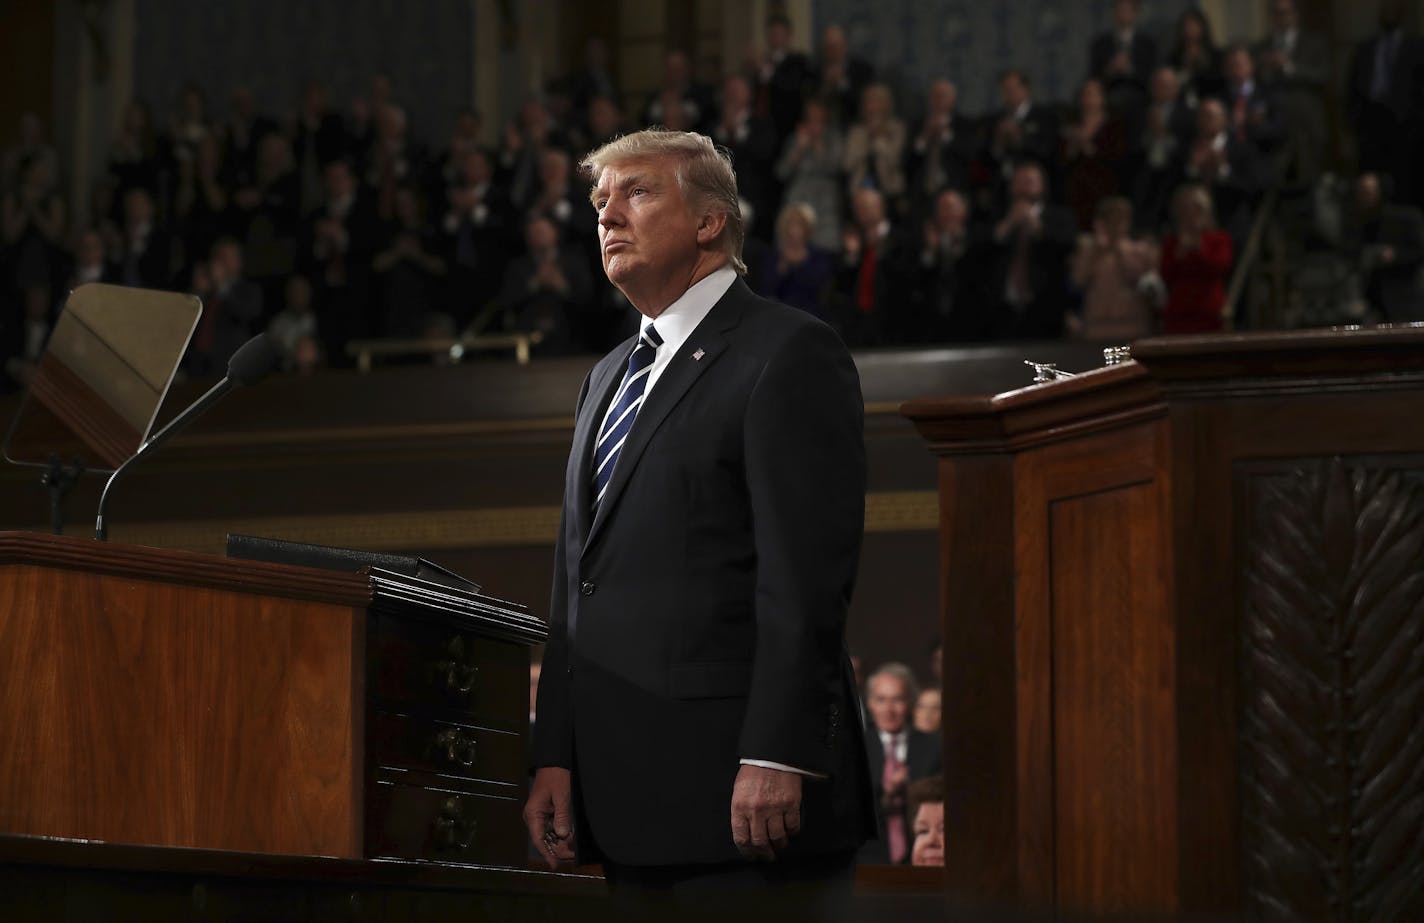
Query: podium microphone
252	361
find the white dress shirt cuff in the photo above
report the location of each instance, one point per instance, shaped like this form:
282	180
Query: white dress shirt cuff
767	764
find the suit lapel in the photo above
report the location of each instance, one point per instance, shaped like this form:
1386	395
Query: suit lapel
707	343
580	475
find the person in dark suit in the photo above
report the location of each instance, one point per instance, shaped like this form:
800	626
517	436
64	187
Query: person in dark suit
232	310
839	77
898	755
548	290
1294	64
1123	59
782	79
698	728
1021	130
1026	261
1382	101
941	151
1387	243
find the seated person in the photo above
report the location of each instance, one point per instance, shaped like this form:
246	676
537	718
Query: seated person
927	809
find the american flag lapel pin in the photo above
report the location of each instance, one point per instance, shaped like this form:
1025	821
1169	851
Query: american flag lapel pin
699	354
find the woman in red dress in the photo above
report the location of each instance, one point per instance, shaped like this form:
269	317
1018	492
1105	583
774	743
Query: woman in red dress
1196	262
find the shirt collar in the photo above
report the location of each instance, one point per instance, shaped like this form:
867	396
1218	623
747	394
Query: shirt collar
680	318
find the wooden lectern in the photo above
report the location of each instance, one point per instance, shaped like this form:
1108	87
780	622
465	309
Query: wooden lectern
163	698
1183	610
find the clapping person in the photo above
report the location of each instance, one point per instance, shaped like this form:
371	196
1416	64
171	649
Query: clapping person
941	152
810	168
547	290
875	146
1093	150
899	755
1115	275
1194	56
797	271
1196	261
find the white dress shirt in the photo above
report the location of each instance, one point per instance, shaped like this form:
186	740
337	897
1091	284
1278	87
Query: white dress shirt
675	325
896	745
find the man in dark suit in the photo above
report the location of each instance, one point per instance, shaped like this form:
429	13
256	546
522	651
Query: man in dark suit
1123	59
698	726
941	151
751	140
782	78
1382	101
1295	65
1027	262
1387	243
838	77
1021	130
898	755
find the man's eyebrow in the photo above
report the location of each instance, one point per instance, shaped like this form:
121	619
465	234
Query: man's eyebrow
627	182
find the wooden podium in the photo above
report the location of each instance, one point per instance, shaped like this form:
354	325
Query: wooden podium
162	698
1183	611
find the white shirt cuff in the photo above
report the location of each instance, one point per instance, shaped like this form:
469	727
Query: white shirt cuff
767	764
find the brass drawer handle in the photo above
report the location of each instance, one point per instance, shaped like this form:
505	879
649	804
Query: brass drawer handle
455	746
452	830
453	674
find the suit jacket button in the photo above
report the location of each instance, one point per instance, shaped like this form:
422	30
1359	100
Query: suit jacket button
587	588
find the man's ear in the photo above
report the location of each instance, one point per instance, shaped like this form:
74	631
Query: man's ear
710	227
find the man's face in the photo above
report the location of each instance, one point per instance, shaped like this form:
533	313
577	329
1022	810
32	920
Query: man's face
1283	14
869	209
833	44
1124	13
646	228
1013	92
541	236
950	212
1027	184
1238	66
1367	192
1164	85
942	97
778	36
1211	119
889	703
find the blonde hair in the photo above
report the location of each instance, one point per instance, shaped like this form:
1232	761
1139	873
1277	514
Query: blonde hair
704	174
790	212
1198	194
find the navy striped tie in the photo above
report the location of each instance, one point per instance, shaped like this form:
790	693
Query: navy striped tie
624	408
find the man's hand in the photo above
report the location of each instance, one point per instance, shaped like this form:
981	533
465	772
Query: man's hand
766	811
549	815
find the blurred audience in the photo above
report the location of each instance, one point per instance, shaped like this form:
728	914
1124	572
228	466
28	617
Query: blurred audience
899	755
875	146
1194	56
1122	59
927	813
1196	263
810	171
797	271
927	711
929	222
1117	276
1027	258
1386	243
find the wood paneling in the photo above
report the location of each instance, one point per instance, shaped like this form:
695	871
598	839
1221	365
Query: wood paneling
1213	561
1114	772
976	515
141	710
1094	674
